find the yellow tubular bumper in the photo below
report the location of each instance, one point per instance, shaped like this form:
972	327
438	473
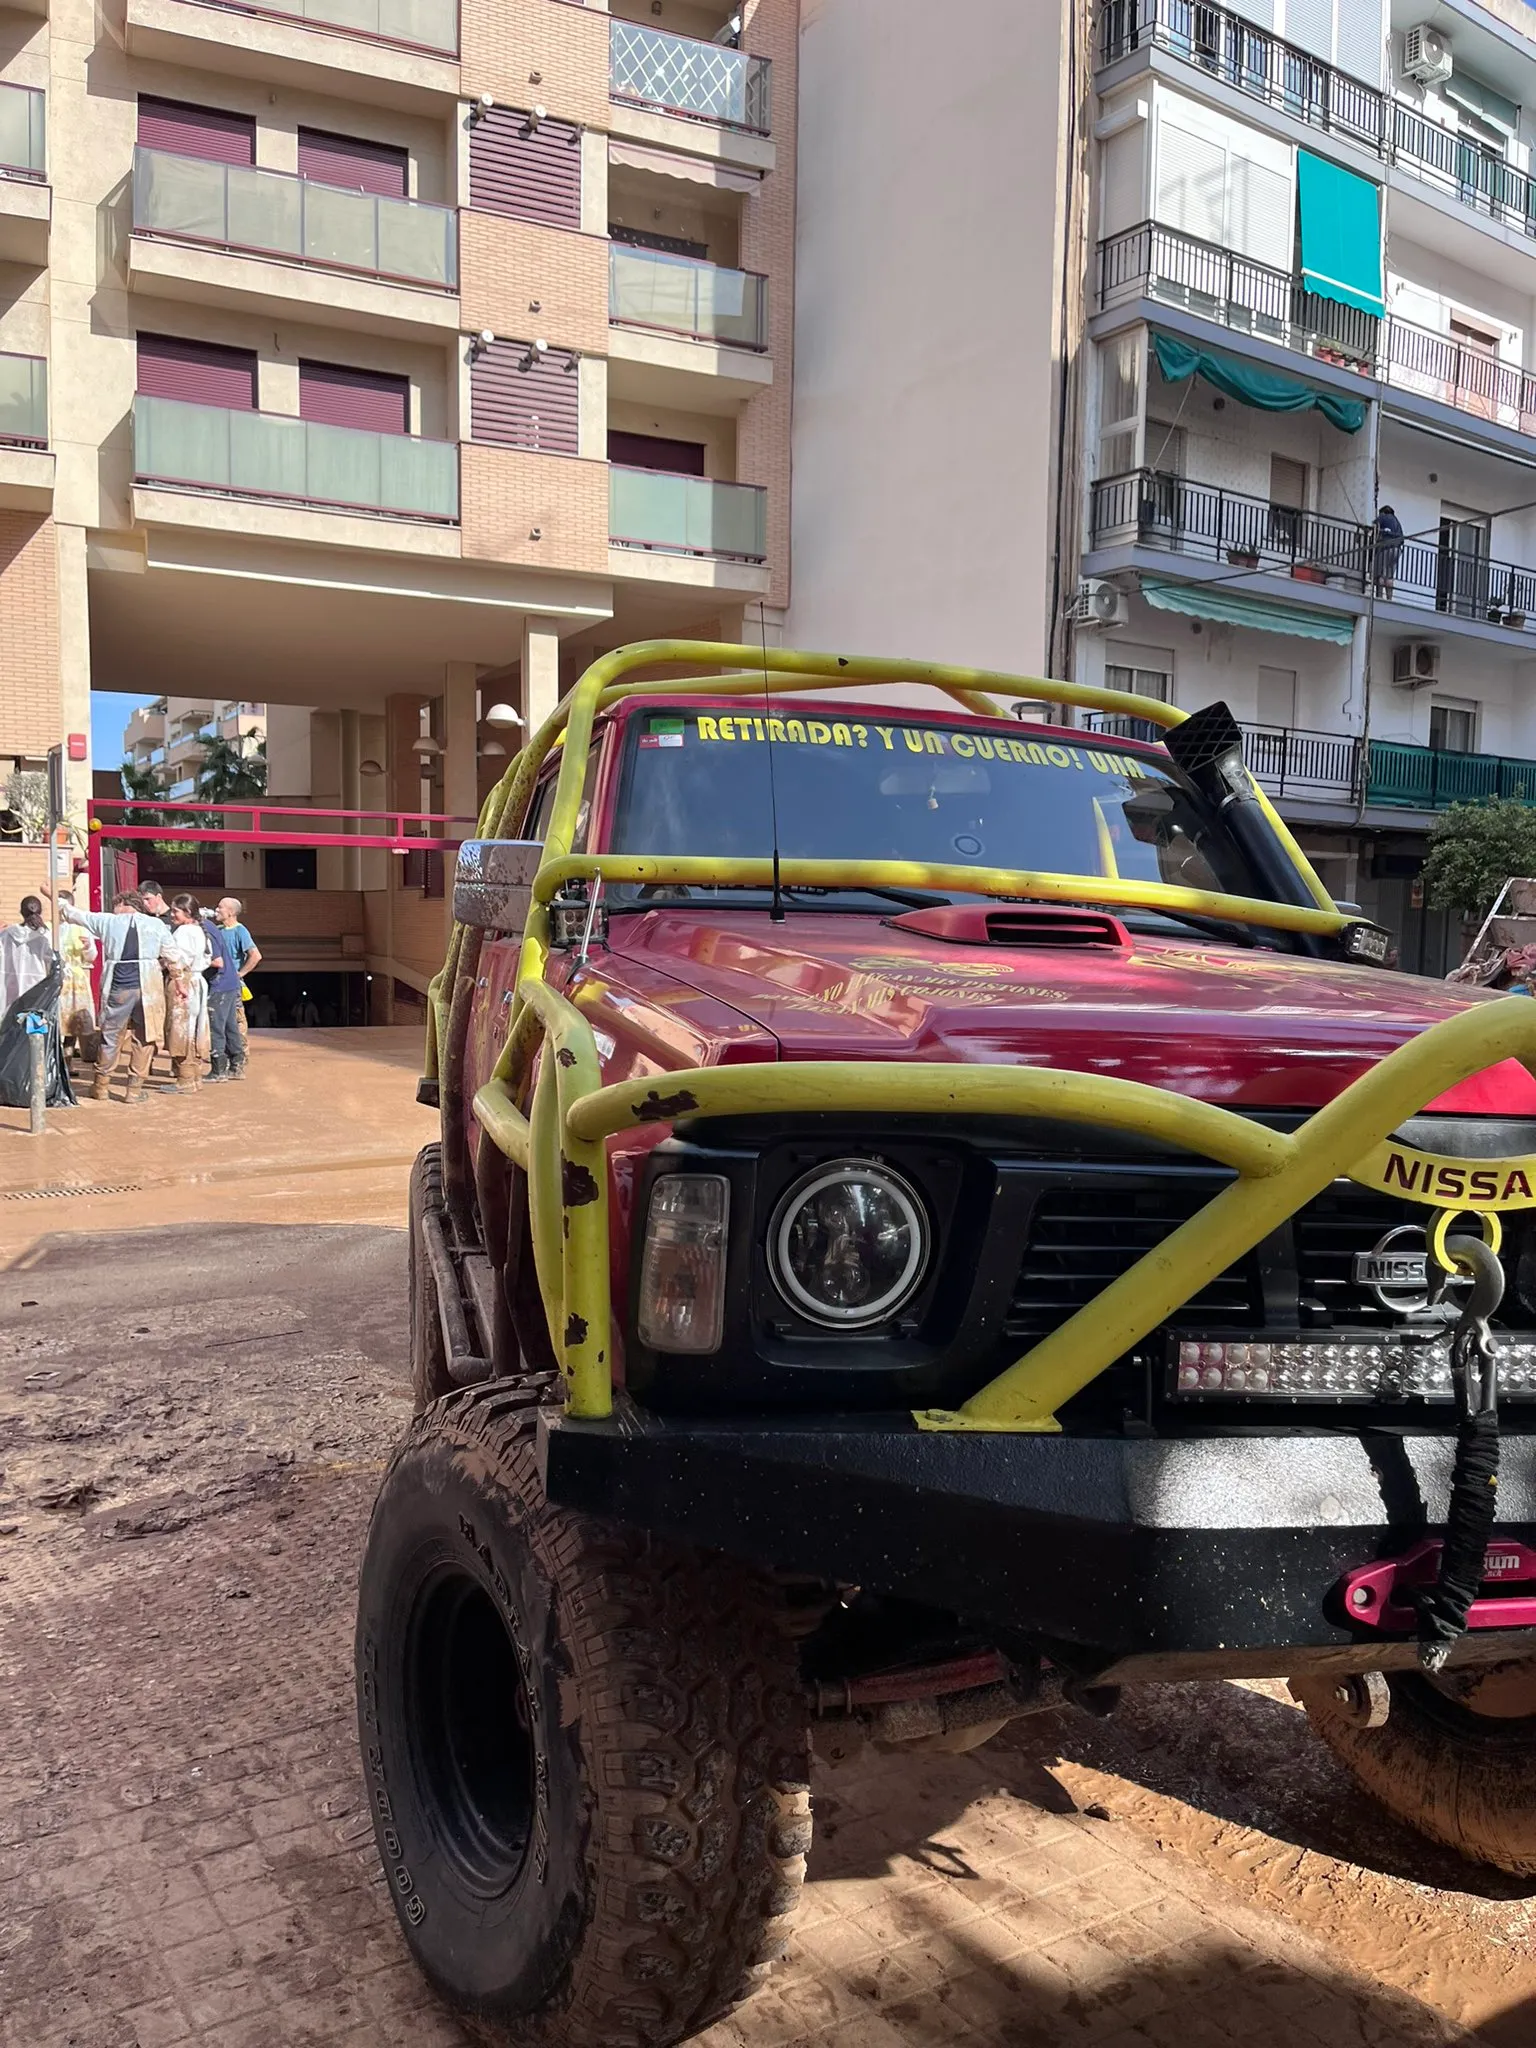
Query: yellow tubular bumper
562	1144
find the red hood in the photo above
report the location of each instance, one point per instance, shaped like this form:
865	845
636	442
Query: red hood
1249	1029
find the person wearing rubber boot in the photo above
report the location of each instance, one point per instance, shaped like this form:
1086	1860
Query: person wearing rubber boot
132	987
238	955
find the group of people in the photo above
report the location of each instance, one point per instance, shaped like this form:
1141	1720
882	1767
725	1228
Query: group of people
171	977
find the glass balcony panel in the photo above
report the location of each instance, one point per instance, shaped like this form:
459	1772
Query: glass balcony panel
707	80
264	212
24	400
652	289
179	195
23	138
306	461
687	514
431	24
418	242
340	228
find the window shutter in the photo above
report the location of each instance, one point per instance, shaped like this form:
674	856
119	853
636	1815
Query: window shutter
1191	182
1309	24
1260	214
526	172
1362	40
518	404
656	451
198	372
337	396
196	131
359	166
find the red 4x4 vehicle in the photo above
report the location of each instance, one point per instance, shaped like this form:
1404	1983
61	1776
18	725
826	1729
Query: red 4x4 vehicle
933	1219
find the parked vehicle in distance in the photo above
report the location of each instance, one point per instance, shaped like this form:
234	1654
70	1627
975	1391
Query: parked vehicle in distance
935	1217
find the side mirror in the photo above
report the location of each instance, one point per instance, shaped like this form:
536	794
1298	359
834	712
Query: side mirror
493	883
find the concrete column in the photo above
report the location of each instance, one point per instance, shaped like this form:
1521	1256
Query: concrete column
541	672
75	667
351	794
460	780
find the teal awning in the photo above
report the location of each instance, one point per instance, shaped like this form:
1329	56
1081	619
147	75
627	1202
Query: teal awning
1340	234
1482	100
1251	384
1211	601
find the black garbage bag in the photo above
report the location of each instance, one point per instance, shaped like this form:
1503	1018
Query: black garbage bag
40	1000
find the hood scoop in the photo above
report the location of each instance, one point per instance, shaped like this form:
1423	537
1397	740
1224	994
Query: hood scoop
1036	927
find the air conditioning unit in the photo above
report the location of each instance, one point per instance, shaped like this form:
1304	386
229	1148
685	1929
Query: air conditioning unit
1427	56
1101	604
1416	664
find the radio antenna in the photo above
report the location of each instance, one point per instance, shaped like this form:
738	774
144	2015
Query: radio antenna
776	908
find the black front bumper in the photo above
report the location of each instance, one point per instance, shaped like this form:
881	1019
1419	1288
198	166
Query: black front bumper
1211	1553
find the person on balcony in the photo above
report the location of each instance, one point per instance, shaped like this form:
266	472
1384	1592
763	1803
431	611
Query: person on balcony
1389	545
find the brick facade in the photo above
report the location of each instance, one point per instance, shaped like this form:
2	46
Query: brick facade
509	492
771	29
509	265
549	52
29	635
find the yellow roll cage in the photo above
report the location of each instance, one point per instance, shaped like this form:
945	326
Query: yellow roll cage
560	1142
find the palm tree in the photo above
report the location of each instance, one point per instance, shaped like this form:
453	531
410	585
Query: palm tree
230	773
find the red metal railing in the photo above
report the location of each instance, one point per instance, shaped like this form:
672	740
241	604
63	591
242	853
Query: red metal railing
394	831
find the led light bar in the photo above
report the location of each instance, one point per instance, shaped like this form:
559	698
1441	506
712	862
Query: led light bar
1339	1370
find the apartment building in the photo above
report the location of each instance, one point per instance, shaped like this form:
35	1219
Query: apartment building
166	740
1304	237
379	361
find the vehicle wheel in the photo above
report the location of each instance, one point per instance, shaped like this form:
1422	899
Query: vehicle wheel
586	1751
1456	1757
429	1354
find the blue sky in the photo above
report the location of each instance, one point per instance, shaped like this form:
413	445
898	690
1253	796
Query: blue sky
110	712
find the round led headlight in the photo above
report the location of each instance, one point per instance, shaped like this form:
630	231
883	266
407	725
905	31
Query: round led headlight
848	1244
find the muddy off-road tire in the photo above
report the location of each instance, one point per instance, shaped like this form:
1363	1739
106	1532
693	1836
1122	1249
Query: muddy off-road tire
585	1751
1461	1770
429	1355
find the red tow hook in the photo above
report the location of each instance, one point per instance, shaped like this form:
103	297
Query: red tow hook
1373	1593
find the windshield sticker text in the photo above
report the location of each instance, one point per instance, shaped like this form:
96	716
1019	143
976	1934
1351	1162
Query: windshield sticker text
964	746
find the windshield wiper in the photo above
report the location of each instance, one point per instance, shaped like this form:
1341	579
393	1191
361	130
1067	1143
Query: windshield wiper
1211	927
661	893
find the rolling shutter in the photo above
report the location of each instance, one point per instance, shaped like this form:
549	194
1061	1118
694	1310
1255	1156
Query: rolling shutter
1309	24
337	396
358	166
518	404
526	172
196	131
1191	182
655	451
1225	183
198	372
1259	205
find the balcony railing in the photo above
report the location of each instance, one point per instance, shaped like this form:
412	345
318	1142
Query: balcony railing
649	288
300	462
705	81
23	402
23	133
431	25
1152	509
1157	262
1289	760
1438	366
1247	59
1454	162
227	206
687	515
1424	779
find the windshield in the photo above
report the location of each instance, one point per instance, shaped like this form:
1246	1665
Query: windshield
697	783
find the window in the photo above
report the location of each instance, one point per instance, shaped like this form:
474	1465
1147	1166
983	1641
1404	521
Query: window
1287	501
1120	363
544	802
198	372
342	397
654	451
1452	726
379	167
1224	183
1148	672
207	132
1145	682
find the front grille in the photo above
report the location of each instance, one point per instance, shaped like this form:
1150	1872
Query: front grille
1344	1220
1081	1238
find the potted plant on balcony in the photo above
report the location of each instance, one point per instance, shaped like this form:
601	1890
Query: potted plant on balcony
1243	557
1309	572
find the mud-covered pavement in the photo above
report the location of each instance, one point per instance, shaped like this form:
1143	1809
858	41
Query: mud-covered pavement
200	1377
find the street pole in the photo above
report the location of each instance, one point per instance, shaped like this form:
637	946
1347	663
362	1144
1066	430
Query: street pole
37	1047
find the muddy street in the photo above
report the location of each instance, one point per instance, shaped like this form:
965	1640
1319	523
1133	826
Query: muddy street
201	1375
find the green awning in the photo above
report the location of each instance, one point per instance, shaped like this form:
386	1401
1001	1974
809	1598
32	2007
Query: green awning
1251	384
1211	601
1482	100
1340	234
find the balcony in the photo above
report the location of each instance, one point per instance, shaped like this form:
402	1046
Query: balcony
1423	779
23	402
1249	60
23	133
679	295
678	75
654	511
1289	761
1151	509
1175	269
269	213
427	25
1456	166
278	459
1436	366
